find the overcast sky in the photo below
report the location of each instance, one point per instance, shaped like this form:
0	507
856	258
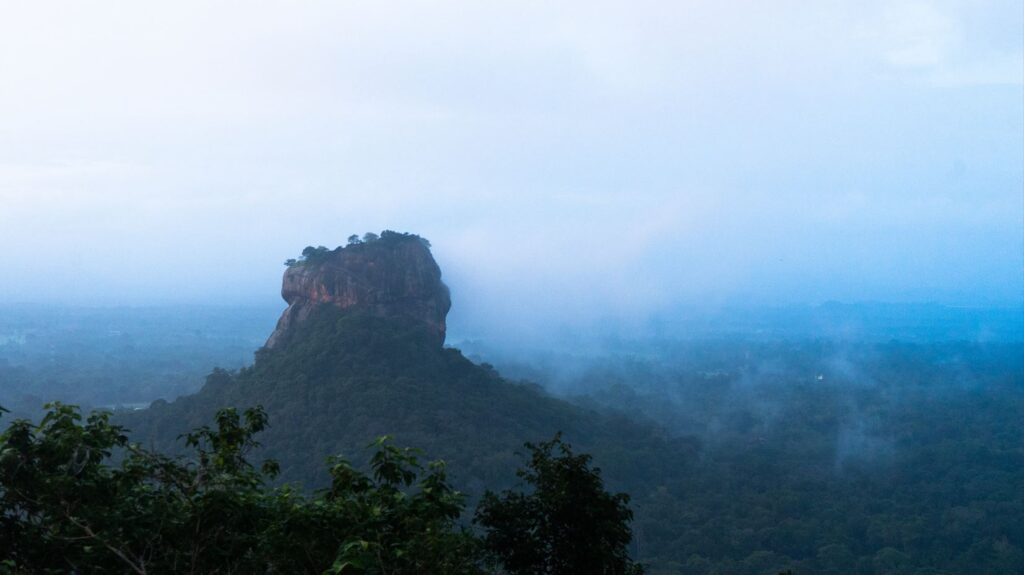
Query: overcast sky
580	158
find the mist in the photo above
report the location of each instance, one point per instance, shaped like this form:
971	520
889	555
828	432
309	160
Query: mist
571	165
761	264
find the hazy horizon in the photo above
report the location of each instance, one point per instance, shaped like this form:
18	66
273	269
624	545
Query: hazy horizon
572	162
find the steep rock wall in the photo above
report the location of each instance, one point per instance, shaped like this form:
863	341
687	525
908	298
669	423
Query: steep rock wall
395	276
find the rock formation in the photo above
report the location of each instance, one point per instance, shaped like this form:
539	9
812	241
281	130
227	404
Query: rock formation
393	276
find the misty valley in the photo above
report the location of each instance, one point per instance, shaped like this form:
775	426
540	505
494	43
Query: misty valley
831	439
712	287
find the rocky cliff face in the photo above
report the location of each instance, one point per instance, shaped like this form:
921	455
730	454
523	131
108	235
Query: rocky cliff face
394	276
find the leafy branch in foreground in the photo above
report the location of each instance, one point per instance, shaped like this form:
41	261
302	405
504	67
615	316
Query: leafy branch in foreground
65	506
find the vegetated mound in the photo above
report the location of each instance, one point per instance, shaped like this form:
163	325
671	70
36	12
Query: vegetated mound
359	354
784	479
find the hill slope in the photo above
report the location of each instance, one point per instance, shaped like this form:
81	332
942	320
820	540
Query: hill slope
359	354
895	467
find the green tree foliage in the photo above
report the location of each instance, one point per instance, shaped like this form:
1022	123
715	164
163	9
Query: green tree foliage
310	254
347	376
786	472
65	507
902	458
369	240
567	525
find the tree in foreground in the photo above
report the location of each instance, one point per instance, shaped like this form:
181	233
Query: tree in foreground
567	525
64	508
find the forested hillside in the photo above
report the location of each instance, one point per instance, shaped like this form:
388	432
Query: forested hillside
909	463
742	455
344	378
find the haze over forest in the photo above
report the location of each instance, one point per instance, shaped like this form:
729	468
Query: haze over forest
760	264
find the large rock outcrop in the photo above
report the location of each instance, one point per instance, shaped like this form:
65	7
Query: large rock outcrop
393	276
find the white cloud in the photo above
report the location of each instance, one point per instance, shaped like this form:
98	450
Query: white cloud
682	143
919	33
952	44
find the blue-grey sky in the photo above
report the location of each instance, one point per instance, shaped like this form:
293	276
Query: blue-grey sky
572	158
